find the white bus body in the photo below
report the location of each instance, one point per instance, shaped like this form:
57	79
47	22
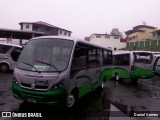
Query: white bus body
132	65
9	54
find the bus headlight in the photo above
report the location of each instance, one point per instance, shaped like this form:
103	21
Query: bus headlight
58	85
15	81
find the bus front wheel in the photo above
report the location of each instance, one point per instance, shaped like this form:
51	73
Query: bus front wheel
71	99
4	67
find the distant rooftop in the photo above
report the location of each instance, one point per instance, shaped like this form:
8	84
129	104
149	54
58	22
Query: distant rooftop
133	31
43	23
143	26
136	29
103	34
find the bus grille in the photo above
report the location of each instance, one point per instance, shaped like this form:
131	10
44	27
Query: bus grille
36	86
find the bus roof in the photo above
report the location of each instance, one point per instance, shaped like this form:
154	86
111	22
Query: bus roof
127	52
73	39
157	55
9	44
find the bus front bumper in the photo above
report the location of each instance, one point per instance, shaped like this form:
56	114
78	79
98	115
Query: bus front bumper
55	97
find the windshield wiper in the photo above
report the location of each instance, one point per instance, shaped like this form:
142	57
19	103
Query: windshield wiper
48	65
30	66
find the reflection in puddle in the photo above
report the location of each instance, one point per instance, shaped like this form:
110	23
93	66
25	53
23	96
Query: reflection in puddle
95	105
129	98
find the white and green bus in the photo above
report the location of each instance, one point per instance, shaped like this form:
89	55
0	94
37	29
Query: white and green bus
59	70
9	54
132	65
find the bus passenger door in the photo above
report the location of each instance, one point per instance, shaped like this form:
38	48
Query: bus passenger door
79	70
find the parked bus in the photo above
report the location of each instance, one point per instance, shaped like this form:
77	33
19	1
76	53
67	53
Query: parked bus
59	70
9	54
132	65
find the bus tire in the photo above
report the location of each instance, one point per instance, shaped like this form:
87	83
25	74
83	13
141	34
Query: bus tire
4	67
71	99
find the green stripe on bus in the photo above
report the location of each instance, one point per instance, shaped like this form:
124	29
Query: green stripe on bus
139	72
88	87
121	72
106	75
84	89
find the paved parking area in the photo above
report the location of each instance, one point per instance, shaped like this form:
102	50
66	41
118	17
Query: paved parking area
124	97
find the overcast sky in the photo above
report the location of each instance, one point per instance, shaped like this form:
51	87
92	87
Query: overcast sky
82	17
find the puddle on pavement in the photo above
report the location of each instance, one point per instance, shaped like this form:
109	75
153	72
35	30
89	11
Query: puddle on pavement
1	92
130	98
95	105
128	110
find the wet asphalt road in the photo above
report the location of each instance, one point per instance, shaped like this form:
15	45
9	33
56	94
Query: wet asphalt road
126	97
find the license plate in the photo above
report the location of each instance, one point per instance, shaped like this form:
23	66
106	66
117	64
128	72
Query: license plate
32	100
143	76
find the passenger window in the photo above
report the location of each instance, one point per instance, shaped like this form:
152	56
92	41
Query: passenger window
107	57
100	57
92	57
15	53
121	59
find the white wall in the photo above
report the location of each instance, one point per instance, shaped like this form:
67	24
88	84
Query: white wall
63	33
108	42
27	29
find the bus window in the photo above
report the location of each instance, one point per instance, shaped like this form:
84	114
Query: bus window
100	57
107	57
92	57
4	48
123	59
141	57
15	53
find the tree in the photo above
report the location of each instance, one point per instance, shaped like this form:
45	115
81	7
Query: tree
115	31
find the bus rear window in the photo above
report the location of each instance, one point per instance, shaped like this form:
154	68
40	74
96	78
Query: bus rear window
142	57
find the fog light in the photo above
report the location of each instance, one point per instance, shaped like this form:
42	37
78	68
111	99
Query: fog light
15	81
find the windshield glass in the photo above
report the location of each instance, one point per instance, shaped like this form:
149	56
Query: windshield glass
143	57
46	55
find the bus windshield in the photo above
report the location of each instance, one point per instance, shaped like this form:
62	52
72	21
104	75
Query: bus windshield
143	57
46	55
